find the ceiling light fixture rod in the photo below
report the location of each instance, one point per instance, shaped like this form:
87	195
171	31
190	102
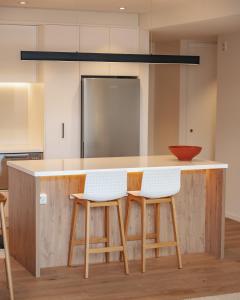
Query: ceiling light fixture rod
110	57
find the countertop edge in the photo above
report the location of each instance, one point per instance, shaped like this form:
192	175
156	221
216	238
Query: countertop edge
81	172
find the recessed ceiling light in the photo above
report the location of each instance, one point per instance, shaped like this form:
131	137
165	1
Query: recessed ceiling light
122	8
22	2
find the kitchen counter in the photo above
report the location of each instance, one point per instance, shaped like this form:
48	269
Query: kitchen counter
39	233
63	167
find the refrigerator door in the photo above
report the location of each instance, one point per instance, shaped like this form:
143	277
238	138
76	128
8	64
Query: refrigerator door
110	117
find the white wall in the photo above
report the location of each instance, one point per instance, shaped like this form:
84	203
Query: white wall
184	98
198	96
13	114
228	118
20	115
35	116
164	101
175	12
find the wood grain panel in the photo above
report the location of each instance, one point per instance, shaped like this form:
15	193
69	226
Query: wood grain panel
22	219
55	218
215	212
56	215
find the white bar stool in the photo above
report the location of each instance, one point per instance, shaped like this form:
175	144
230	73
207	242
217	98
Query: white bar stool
102	189
158	186
5	252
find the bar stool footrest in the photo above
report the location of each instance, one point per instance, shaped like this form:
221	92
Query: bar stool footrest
150	236
106	249
160	245
93	240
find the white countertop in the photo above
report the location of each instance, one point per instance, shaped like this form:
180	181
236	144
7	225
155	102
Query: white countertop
25	148
61	167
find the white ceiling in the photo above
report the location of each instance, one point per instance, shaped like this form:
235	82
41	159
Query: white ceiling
132	6
169	19
207	30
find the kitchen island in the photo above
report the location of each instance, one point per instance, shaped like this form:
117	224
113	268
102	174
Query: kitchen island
39	233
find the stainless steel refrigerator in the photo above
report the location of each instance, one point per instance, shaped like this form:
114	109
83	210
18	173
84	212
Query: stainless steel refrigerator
110	116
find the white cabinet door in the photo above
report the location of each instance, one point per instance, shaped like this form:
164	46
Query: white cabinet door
15	38
62	106
61	93
94	39
58	38
124	40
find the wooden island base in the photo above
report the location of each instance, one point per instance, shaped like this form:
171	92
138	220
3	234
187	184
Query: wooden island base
39	234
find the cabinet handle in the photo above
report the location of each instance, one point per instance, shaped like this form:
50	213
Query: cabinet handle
15	156
63	130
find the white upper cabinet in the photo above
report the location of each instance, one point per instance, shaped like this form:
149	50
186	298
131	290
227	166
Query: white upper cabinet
58	38
94	39
124	40
15	38
144	43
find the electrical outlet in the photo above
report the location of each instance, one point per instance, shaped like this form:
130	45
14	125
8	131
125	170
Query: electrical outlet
224	46
43	199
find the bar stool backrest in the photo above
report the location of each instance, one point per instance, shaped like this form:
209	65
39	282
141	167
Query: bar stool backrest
159	183
105	185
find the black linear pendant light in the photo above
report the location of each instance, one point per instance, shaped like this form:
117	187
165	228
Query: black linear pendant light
110	57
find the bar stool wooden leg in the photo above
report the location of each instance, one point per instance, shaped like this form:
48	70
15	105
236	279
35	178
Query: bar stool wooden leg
107	231
127	217
143	219
5	265
157	228
7	255
73	232
122	234
87	237
175	230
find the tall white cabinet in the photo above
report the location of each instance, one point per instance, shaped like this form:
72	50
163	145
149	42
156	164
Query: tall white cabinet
61	93
15	38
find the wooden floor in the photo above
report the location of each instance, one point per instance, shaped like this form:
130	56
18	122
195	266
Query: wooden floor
202	275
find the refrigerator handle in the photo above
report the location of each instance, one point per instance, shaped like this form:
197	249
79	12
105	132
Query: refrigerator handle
82	149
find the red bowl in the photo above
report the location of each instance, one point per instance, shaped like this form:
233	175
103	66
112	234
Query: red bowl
185	152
